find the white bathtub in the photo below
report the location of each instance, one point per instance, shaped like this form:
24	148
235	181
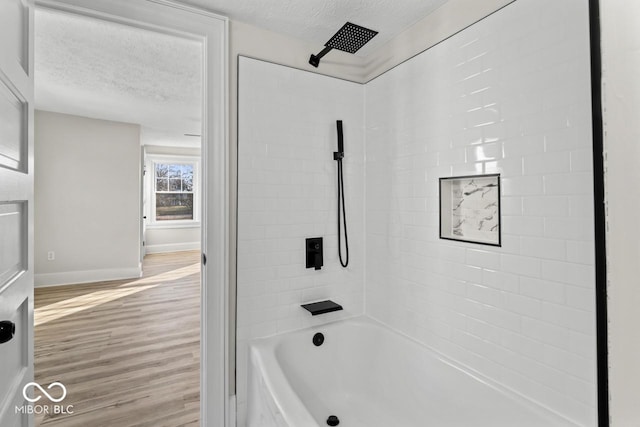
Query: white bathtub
369	376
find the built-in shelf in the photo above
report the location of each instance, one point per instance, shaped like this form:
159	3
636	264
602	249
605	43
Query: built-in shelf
321	307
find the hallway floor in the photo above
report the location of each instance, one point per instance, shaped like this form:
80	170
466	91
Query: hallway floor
127	351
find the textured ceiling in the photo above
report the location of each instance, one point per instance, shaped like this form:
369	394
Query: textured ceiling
109	71
104	70
317	20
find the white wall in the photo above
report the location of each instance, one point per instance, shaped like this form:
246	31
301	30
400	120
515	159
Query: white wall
87	198
250	41
509	95
621	105
176	150
172	239
287	192
165	238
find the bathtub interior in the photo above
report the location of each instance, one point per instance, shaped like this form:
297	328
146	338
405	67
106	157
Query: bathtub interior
368	375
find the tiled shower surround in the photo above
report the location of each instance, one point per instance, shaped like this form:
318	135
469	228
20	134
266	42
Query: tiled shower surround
508	95
287	191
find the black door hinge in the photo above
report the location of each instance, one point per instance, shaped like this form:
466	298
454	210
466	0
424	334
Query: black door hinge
204	259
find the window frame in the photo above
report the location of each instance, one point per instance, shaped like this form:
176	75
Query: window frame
150	173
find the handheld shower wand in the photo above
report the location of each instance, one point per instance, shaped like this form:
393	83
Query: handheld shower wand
338	156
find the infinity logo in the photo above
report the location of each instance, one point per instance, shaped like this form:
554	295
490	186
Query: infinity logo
53	399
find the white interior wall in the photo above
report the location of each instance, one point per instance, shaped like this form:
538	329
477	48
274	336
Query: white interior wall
250	41
286	193
172	239
621	109
171	150
509	95
166	238
87	192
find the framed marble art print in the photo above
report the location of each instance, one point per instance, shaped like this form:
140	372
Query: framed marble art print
470	209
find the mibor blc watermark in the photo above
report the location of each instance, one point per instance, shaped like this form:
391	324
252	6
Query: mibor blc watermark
55	408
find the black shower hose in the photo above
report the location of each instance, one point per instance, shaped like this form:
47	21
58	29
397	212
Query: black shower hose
344	217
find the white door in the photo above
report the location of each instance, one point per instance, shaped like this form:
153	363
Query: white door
16	208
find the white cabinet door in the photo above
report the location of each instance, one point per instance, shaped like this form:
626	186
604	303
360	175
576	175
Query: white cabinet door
16	208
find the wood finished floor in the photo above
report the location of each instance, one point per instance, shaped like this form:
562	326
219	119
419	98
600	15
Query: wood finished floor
128	351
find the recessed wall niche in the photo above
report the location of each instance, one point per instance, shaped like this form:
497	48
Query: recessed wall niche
470	209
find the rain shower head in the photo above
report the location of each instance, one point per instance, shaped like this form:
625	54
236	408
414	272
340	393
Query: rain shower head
350	38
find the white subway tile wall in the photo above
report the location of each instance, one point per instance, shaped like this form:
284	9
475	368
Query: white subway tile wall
510	94
287	191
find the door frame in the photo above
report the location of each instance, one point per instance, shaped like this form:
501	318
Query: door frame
143	202
212	30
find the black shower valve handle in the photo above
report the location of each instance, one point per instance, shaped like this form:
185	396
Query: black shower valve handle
314	256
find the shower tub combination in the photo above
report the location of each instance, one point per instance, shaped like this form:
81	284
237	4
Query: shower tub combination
363	374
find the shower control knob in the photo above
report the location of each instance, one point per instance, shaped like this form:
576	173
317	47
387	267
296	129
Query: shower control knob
7	331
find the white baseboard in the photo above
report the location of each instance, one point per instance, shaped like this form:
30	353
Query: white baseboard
172	247
86	276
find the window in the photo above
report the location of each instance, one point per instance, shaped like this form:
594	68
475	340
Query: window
174	192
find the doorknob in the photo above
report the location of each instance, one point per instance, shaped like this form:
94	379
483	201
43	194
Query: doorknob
7	331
